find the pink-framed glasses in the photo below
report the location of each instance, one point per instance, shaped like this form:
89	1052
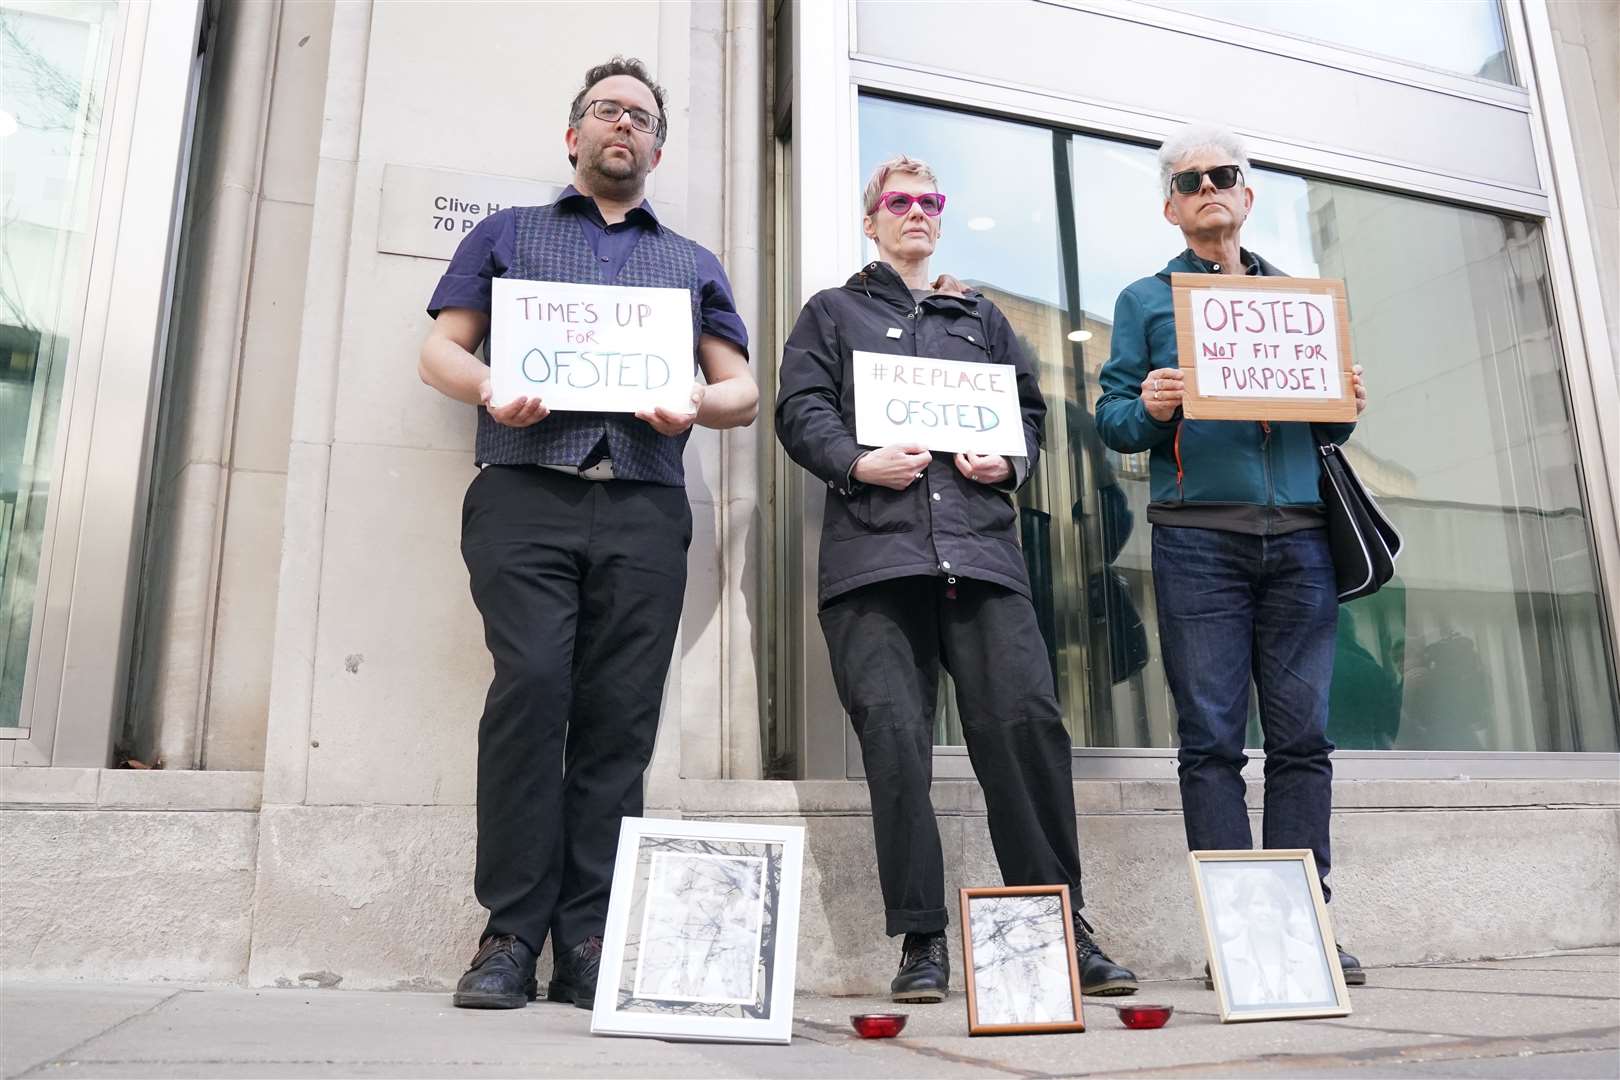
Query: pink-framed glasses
899	203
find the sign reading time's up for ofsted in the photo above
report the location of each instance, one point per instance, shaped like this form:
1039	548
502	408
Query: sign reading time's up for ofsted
1263	348
590	348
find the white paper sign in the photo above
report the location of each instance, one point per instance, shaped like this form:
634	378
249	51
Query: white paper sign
591	348
952	406
1258	344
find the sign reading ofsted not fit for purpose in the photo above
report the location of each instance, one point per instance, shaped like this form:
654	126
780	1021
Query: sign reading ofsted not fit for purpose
590	348
950	406
1263	348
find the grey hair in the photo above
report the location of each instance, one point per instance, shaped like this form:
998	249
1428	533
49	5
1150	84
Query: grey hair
1191	138
900	163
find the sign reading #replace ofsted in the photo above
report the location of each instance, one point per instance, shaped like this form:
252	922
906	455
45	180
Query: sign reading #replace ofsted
590	348
952	406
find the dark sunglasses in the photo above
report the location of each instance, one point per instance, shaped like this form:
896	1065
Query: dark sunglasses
1222	176
899	203
610	111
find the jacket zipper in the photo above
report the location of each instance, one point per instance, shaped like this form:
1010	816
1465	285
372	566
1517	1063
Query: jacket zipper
1265	460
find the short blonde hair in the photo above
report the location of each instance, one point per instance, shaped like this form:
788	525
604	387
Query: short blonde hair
880	176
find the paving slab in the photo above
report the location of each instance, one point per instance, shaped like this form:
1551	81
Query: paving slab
39	1023
1533	1017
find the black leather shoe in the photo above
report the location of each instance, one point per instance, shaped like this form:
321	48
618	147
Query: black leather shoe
925	969
1098	974
573	977
501	976
1353	975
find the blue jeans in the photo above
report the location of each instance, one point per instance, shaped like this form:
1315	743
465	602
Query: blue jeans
1234	607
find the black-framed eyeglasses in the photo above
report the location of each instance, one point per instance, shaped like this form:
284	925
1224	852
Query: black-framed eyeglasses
1222	176
609	111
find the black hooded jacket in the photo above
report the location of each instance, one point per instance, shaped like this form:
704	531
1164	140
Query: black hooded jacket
943	524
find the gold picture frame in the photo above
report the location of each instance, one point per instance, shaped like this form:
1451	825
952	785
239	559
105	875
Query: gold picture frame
1020	990
1267	933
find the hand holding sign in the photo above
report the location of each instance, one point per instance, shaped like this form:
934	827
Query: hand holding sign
667	422
519	412
983	468
1161	393
895	467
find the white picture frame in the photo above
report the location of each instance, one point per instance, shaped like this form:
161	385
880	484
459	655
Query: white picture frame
1268	935
702	932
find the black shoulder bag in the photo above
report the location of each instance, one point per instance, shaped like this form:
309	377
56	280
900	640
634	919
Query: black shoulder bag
1365	542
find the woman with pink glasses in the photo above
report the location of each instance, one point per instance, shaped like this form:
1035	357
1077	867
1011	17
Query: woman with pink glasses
921	568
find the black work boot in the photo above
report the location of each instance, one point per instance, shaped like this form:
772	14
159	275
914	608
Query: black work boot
573	974
1353	974
925	969
501	976
1098	974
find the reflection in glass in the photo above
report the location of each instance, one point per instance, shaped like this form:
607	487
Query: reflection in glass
1492	636
53	68
1462	36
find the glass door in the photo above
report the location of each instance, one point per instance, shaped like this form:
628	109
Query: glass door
55	58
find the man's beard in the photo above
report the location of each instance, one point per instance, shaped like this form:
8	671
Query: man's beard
620	176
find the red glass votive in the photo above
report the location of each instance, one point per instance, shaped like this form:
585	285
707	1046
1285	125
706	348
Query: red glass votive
878	1025
1145	1016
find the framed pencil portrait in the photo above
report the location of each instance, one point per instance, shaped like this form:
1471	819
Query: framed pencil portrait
702	932
1272	953
1018	958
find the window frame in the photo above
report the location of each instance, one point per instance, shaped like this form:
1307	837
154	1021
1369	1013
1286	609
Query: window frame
76	674
832	73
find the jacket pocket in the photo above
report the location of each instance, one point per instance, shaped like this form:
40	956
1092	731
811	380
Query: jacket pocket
991	513
967	341
885	510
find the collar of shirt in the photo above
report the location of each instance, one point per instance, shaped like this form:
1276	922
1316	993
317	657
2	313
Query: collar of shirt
576	201
1251	262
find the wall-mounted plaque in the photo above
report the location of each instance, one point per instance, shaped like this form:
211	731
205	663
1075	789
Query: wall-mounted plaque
426	212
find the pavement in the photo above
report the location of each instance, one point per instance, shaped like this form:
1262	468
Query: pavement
1550	1016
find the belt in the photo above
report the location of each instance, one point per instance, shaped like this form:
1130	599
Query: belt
602	470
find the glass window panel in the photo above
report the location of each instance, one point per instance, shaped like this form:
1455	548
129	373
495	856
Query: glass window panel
1462	36
1492	636
54	60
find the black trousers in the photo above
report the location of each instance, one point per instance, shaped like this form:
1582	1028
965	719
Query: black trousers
580	585
887	642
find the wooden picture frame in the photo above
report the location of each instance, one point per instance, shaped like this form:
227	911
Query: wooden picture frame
1267	933
1040	996
702	932
1197	405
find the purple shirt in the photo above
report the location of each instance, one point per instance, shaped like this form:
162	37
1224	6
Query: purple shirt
488	250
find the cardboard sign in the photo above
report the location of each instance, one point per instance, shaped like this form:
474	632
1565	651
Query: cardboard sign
591	348
952	406
1263	348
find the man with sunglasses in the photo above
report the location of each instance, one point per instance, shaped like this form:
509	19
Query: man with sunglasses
921	569
575	534
1242	572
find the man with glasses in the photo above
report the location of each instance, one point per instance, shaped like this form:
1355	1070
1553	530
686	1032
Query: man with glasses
575	534
1242	572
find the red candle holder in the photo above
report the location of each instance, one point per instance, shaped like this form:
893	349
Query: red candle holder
878	1025
1145	1016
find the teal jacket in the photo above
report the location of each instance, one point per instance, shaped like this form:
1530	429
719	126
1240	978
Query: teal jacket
1239	475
